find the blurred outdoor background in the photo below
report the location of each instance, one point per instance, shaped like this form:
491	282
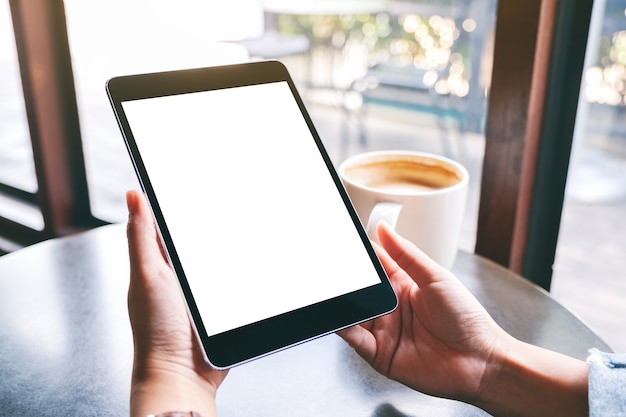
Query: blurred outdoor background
374	75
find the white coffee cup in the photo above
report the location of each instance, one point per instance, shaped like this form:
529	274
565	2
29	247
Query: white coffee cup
421	195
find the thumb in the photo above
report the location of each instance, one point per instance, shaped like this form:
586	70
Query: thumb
143	242
421	268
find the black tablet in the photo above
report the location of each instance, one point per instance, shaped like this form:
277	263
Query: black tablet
265	243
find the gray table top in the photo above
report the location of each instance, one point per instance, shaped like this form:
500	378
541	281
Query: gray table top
66	346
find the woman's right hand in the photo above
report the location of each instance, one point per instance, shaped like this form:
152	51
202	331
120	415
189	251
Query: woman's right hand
442	342
440	339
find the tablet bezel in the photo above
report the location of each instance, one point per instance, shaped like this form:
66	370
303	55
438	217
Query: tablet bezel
258	339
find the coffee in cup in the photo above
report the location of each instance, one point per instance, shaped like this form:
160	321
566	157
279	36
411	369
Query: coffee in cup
421	195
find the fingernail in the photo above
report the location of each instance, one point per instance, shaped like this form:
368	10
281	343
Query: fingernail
131	201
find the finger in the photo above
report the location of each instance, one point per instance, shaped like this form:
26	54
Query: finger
391	267
143	243
411	259
361	340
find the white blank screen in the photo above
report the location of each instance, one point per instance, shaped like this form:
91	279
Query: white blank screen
256	219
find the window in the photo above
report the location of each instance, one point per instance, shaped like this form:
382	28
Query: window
112	38
590	268
18	182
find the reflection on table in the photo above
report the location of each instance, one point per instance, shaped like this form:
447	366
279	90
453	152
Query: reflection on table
66	347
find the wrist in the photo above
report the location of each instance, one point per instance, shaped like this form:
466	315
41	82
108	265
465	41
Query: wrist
155	390
526	380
